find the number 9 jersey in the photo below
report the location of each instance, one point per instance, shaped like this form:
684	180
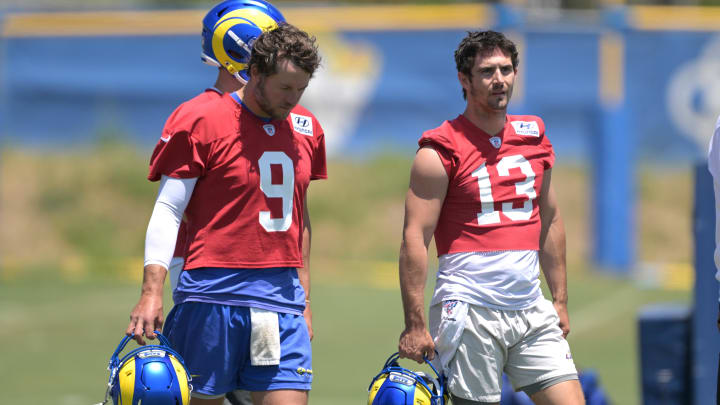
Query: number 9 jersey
494	184
246	210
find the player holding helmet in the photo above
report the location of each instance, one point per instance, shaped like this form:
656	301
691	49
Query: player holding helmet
239	167
223	25
481	184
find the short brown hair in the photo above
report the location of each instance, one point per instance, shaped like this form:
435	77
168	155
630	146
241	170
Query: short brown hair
284	42
483	43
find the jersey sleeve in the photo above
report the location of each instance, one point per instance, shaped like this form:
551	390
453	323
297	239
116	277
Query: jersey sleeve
444	148
549	160
319	163
179	153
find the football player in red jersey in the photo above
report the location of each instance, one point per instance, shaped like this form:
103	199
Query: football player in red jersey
480	184
244	19
239	169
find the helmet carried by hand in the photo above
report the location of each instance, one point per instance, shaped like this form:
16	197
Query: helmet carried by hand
396	385
148	375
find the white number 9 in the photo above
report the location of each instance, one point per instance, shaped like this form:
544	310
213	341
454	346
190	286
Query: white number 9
285	190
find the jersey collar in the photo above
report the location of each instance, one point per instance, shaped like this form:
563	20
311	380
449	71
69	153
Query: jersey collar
243	105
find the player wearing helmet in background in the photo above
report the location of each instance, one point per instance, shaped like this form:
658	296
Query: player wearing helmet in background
238	167
480	183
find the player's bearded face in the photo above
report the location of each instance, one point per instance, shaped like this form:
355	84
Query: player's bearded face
492	80
279	93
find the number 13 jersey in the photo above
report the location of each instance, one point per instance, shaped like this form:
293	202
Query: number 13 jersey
246	210
494	184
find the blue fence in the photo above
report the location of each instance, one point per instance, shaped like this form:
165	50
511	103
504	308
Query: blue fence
382	84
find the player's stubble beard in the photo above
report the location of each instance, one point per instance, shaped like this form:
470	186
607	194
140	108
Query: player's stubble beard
265	105
495	103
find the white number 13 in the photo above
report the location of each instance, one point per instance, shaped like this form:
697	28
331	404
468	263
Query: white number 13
285	190
487	214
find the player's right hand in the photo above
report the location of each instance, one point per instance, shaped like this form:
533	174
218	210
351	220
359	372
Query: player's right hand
416	344
145	318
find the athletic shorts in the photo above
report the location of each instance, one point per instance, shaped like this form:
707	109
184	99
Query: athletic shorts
232	347
477	344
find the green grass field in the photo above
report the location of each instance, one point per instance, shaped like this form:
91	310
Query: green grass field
71	246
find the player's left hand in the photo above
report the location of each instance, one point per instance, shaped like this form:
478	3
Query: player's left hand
561	309
307	314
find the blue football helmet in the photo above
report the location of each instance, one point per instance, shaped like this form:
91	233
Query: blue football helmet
396	385
231	28
148	375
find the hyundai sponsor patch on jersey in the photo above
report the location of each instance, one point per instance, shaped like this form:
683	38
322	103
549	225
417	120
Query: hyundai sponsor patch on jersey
527	128
302	124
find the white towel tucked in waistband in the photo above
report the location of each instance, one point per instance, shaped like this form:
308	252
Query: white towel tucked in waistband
264	338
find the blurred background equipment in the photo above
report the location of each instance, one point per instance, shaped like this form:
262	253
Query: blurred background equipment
666	358
629	94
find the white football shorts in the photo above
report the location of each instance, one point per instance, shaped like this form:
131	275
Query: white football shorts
477	344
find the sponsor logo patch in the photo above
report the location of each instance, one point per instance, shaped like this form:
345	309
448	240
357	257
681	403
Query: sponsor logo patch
151	353
302	124
303	370
400	379
165	138
449	309
269	129
527	128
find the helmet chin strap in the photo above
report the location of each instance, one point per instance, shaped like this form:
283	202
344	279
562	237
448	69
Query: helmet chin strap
239	78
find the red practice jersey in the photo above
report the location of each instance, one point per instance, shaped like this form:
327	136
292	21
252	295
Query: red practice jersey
494	184
246	210
179	115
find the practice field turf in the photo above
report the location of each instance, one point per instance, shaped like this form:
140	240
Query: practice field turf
72	240
57	337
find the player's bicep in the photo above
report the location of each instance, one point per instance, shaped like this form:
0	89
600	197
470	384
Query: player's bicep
426	194
173	197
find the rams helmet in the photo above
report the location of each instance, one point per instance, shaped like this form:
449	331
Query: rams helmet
148	375
230	29
395	385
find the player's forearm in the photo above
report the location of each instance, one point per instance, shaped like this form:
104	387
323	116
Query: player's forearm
304	272
304	278
413	275
153	280
552	260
